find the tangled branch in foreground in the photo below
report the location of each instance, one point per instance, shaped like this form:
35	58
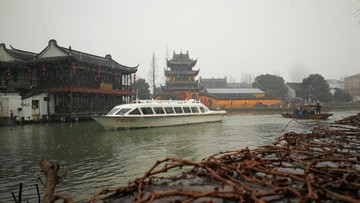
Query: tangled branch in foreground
321	166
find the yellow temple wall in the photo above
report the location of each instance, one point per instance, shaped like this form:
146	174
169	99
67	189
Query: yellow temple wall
234	103
241	103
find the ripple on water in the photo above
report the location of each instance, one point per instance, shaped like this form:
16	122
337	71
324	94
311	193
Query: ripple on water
98	158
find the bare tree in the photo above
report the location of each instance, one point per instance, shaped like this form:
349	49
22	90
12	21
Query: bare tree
152	73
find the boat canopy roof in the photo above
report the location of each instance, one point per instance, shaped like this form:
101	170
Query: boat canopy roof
156	107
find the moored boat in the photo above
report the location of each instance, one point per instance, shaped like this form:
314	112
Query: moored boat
158	113
322	116
308	112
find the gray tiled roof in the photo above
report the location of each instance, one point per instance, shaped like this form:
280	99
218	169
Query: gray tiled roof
294	85
234	91
106	61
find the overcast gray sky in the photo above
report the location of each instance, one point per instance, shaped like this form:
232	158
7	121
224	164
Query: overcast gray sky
290	38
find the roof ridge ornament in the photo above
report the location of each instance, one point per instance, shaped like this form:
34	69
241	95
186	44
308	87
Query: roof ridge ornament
108	56
52	42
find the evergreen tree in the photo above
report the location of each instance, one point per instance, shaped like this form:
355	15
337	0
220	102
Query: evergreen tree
316	89
340	95
141	88
273	86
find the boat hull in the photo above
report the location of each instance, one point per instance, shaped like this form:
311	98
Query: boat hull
308	116
123	122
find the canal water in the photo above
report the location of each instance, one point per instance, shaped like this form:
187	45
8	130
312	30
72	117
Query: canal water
99	158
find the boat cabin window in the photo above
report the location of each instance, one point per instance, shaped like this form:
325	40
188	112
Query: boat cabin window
159	110
202	109
194	109
169	110
113	111
178	110
186	110
123	111
135	112
147	110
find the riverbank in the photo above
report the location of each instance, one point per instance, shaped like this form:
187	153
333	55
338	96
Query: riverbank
276	109
322	165
253	110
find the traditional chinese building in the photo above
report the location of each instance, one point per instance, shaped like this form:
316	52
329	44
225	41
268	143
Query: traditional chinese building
62	83
214	92
13	69
180	77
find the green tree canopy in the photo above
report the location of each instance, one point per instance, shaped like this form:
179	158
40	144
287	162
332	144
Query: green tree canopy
273	86
342	96
315	88
141	88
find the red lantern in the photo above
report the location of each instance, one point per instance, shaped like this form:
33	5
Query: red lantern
30	74
73	68
98	73
115	75
134	78
7	74
43	71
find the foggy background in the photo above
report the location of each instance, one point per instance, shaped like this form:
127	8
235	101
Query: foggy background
236	39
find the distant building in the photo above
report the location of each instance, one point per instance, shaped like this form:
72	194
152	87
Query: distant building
235	93
214	92
221	83
239	85
294	89
352	85
213	82
333	83
61	82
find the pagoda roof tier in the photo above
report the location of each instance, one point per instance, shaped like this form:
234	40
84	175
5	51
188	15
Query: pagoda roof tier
181	60
53	52
181	72
173	64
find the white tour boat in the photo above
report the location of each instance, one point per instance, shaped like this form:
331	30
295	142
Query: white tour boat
158	113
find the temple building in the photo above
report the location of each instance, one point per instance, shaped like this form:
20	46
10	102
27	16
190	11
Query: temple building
180	77
61	83
213	92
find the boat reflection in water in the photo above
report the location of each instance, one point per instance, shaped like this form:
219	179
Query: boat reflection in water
158	113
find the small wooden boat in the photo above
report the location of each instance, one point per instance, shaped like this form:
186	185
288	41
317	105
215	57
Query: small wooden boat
308	111
158	113
322	116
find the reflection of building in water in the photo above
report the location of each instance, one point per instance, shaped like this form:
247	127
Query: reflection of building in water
62	82
214	92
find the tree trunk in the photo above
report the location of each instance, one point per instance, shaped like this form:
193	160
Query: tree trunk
50	171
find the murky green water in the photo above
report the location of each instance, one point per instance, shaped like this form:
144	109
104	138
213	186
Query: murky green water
98	158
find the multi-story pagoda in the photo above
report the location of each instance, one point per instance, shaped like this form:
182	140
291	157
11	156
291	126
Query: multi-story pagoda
180	77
